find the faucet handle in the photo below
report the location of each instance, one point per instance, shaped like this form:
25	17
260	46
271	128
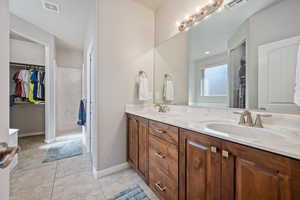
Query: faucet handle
242	118
258	121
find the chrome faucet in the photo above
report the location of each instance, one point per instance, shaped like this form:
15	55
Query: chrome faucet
246	118
162	108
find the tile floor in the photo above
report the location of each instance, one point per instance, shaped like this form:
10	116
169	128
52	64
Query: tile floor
68	179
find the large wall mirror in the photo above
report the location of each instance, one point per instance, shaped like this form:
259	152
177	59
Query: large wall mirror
240	57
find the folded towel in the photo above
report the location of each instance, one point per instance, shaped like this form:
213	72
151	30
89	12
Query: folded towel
169	90
144	94
297	88
82	114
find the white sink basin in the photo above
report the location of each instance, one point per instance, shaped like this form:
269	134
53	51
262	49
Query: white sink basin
244	132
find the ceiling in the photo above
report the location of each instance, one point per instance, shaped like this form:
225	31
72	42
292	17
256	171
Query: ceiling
213	33
68	26
152	4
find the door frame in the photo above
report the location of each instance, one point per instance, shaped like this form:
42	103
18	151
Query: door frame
90	98
50	69
4	90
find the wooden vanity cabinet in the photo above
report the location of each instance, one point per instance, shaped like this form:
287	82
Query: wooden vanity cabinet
185	165
212	169
163	160
138	145
249	173
200	167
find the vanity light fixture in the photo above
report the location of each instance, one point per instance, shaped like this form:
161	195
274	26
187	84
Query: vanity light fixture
207	52
201	14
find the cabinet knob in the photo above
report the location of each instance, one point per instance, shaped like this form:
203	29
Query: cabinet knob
225	154
214	149
159	155
159	187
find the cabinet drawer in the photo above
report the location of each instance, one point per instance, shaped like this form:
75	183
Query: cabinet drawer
163	156
164	187
164	131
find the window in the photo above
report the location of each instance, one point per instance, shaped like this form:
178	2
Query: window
215	81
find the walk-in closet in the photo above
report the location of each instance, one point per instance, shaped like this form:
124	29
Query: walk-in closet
27	86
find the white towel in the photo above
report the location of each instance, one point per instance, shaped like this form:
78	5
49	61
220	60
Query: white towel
169	90
297	88
144	94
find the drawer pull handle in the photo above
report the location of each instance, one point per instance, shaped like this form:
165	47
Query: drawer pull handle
159	155
225	154
159	131
158	186
214	149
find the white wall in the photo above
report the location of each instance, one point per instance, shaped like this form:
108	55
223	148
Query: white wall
4	90
173	11
126	41
27	52
34	33
68	89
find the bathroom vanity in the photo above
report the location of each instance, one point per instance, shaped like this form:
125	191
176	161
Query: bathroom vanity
208	158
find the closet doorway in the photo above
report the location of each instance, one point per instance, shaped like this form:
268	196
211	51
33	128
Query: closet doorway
28	87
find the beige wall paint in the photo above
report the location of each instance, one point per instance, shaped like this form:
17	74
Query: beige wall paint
171	58
169	13
72	58
4	91
126	41
68	89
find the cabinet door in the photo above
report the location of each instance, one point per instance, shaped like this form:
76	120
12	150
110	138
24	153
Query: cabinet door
249	174
133	142
143	148
200	167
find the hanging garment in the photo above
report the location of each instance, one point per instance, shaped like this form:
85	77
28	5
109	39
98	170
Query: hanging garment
24	77
144	94
297	88
82	114
168	90
42	82
34	81
31	98
18	90
41	86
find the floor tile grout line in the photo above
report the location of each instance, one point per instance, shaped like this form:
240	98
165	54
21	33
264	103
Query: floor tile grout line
54	178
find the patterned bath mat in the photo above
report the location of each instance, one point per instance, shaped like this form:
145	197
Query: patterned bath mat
133	193
63	150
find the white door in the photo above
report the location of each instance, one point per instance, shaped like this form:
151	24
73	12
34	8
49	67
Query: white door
4	91
277	75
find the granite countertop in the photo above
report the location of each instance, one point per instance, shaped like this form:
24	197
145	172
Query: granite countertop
276	139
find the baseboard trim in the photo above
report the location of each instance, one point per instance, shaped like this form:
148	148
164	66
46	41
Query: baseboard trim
30	134
106	172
